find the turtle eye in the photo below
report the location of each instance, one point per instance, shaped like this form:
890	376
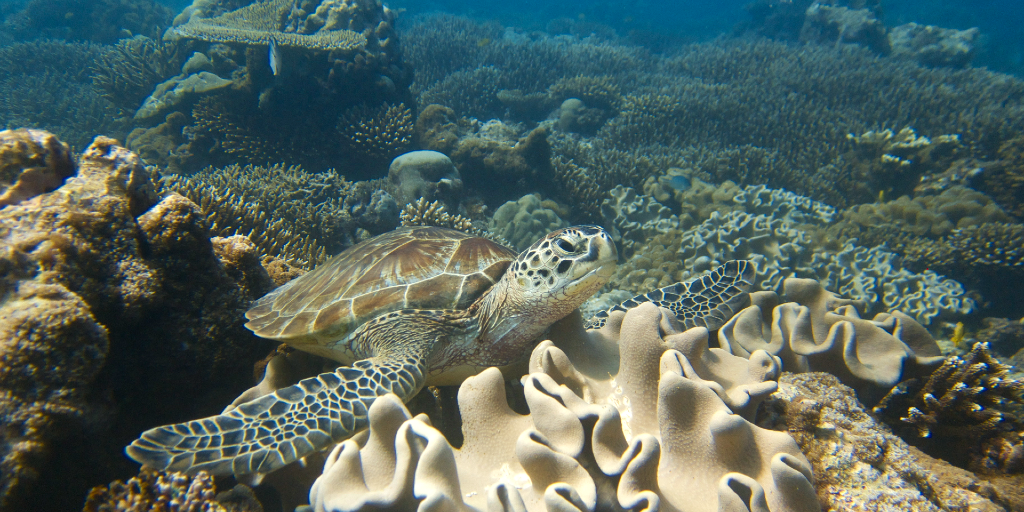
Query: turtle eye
565	245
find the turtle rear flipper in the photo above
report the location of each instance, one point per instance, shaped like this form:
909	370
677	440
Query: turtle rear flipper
707	301
282	427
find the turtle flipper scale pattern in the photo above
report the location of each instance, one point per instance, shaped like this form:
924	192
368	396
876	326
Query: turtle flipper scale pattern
707	301
277	429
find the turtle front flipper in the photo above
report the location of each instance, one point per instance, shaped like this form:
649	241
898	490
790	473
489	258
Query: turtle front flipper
706	301
277	429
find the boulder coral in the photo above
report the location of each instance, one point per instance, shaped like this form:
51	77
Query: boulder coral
115	301
668	429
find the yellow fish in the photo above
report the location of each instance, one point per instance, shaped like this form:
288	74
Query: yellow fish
958	334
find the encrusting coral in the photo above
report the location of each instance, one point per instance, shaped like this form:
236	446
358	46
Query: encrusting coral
32	162
602	433
111	294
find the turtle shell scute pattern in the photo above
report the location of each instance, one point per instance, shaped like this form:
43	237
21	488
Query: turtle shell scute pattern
410	268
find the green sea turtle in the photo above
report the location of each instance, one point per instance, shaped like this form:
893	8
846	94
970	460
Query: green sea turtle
412	307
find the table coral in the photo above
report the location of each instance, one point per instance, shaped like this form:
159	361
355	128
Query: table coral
668	429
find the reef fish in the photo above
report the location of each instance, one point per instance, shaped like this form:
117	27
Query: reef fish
680	183
275	58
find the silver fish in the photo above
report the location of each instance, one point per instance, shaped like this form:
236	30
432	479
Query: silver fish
275	59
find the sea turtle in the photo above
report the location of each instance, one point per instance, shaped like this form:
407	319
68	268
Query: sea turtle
413	307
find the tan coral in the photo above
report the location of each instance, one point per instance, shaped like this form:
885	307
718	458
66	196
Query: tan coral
32	162
817	331
656	436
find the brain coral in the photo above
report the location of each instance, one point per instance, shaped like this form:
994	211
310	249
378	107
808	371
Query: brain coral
625	438
525	221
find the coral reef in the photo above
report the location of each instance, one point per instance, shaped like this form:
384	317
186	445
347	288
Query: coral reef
496	159
422	213
119	310
128	72
32	162
814	330
893	162
835	25
958	407
425	175
100	21
156	491
933	46
591	440
47	85
525	221
261	23
635	218
860	465
288	212
1005	181
377	133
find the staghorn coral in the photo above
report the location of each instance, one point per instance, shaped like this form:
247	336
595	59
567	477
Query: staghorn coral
422	213
260	23
592	440
965	401
815	330
156	491
32	162
377	133
128	72
1005	181
288	212
46	85
595	91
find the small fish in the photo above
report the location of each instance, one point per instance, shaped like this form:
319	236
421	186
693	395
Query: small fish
958	334
680	183
275	59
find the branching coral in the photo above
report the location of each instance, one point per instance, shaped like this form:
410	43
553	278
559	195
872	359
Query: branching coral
127	73
595	91
966	400
287	212
377	133
893	162
422	213
47	85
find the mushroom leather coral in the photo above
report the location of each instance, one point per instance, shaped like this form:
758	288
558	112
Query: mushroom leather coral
667	432
817	331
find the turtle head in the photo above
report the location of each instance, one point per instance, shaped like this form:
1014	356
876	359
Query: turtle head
565	267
